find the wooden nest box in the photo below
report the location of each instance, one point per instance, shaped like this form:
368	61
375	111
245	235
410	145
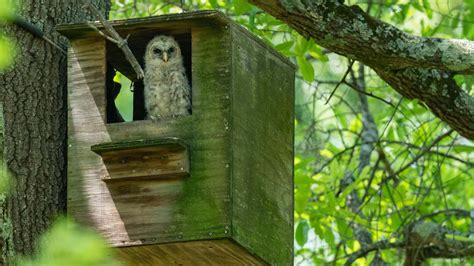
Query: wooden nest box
213	187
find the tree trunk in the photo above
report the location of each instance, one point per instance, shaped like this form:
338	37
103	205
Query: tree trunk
33	97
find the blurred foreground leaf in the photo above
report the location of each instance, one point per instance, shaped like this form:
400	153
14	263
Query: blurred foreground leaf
6	12
68	244
6	52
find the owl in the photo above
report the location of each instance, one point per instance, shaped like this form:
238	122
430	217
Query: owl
167	91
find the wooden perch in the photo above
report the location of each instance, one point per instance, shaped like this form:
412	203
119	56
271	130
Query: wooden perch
113	36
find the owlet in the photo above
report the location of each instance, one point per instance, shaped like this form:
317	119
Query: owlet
167	91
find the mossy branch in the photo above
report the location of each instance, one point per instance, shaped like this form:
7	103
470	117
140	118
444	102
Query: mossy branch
416	67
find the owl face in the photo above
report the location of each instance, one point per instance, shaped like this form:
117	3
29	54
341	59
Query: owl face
162	50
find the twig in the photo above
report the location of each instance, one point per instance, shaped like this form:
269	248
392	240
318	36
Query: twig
367	93
22	23
351	62
448	212
101	33
135	5
112	34
419	155
381	245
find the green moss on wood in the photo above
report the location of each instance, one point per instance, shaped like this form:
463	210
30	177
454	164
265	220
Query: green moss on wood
140	143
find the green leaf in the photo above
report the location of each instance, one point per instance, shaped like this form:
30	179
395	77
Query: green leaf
344	229
284	46
316	225
241	7
6	53
214	3
329	238
6	12
306	68
468	83
354	184
455	20
463	148
459	238
459	80
315	51
301	234
427	7
68	244
302	195
302	45
302	179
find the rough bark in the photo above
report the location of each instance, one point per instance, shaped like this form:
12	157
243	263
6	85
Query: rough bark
33	96
417	67
429	240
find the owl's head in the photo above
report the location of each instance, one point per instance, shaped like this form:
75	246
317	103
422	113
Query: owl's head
163	51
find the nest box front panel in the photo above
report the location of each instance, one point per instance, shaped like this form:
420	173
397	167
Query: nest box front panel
263	124
225	171
112	189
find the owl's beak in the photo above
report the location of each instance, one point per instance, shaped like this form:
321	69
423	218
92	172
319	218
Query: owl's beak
165	57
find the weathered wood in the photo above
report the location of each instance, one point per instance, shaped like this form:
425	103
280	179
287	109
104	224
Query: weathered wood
142	30
262	158
136	212
239	138
115	37
33	95
160	158
213	252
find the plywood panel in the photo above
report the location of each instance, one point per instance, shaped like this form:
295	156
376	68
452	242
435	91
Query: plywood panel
134	212
240	139
88	196
144	159
215	252
262	162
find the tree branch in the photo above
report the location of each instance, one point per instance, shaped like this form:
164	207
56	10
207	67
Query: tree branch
115	38
419	155
381	245
416	67
368	39
430	240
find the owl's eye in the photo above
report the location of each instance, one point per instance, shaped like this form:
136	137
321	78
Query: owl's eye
171	50
157	51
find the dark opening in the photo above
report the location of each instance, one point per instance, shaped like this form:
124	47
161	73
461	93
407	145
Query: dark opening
125	97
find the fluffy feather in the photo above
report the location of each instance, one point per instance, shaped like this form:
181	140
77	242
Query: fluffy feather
167	91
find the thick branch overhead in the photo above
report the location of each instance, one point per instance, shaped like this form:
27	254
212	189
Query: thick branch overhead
416	67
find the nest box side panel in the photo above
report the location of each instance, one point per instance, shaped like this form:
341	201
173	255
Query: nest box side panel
197	206
204	252
86	116
262	177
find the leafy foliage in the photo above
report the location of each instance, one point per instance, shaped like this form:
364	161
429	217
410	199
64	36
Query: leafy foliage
68	244
6	48
409	170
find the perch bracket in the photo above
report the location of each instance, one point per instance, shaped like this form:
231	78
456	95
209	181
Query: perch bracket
144	159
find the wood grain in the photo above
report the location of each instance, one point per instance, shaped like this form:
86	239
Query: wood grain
144	159
214	252
239	138
136	212
262	158
177	25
